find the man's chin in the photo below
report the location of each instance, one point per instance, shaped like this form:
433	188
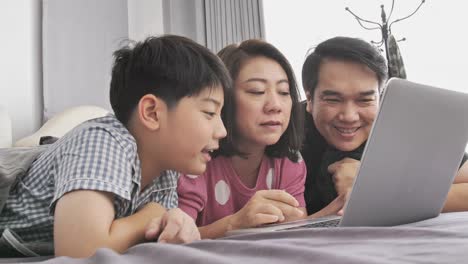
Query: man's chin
347	146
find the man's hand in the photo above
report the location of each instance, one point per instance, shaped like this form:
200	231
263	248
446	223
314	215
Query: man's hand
175	226
265	207
333	208
344	172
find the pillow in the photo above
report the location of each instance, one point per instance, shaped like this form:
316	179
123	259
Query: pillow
5	129
61	123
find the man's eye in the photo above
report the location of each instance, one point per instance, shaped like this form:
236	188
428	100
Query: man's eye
331	100
366	100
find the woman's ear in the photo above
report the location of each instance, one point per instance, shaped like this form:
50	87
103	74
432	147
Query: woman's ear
308	102
150	110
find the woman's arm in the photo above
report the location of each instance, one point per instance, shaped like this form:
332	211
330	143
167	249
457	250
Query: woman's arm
265	207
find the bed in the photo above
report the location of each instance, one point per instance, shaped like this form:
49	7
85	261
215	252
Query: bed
439	240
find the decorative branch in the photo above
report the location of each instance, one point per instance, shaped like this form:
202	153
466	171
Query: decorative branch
359	19
406	17
386	25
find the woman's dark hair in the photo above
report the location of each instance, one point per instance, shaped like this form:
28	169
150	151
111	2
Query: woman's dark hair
169	67
289	144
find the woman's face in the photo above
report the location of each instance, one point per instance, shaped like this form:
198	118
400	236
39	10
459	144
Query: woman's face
263	102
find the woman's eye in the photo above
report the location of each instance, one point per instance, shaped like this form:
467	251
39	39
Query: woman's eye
284	93
256	92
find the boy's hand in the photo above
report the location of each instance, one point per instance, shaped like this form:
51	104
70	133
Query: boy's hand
175	226
344	172
265	207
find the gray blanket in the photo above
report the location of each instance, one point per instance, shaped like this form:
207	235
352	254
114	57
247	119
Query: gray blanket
440	240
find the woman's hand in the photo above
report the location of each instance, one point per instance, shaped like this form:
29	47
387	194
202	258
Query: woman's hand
266	207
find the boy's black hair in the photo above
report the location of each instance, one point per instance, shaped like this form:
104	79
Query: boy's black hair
169	67
290	142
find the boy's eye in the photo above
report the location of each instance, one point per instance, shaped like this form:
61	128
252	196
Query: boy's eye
209	114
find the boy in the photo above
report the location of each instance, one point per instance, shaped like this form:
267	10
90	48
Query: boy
106	183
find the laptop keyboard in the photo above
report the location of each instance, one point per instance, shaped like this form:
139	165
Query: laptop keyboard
329	223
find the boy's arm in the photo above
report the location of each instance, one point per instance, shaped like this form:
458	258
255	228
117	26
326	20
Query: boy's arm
84	221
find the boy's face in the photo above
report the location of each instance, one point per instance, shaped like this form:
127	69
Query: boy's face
345	103
263	102
193	129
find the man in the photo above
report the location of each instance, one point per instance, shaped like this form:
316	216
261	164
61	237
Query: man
343	78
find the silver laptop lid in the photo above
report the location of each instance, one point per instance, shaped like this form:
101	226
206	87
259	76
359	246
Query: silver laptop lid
412	156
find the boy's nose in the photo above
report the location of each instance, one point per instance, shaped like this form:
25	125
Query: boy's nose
220	131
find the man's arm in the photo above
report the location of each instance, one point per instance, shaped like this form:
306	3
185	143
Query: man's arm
457	199
84	221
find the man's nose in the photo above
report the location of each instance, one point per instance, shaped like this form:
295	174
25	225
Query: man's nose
349	113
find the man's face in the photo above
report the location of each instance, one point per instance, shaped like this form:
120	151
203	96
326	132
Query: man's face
345	103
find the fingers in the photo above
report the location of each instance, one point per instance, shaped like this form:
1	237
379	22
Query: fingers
263	219
279	196
287	210
179	228
153	228
333	167
332	208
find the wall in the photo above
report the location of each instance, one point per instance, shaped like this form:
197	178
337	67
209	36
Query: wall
434	52
145	18
21	81
20	64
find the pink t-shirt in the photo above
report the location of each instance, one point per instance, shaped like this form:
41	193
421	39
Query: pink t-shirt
219	192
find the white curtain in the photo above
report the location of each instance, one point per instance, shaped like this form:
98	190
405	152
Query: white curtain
231	21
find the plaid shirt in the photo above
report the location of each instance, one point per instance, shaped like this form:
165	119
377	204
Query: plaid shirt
98	155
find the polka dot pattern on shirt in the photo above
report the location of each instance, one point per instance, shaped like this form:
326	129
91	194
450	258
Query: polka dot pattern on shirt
222	192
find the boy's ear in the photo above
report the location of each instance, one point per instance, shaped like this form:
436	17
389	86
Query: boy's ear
308	102
150	111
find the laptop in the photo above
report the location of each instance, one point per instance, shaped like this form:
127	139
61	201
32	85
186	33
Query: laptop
409	162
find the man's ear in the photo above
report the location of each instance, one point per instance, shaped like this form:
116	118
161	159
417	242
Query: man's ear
150	111
309	100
